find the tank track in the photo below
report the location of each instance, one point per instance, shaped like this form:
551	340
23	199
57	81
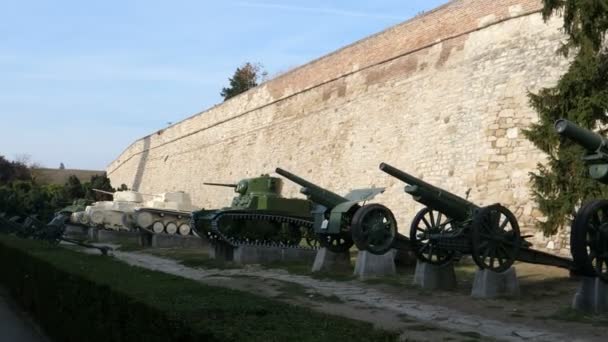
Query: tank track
215	235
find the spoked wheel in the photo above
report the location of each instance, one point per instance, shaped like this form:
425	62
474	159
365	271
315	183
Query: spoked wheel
589	239
337	243
427	225
374	229
310	237
495	238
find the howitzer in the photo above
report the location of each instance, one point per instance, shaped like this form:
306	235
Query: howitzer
339	215
589	230
451	226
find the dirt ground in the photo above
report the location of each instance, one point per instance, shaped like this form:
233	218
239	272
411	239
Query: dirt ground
541	313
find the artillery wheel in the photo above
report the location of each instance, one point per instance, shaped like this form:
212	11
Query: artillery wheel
427	222
495	238
589	239
337	243
312	240
374	228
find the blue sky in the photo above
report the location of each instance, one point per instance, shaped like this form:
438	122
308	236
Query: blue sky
81	80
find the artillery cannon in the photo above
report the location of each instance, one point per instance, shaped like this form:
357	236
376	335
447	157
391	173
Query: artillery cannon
258	215
451	226
339	214
589	230
51	232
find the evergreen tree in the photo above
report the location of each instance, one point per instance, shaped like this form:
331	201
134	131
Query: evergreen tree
244	78
581	95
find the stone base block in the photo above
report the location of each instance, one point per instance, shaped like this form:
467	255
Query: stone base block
221	251
490	284
433	277
182	241
326	260
244	255
76	232
105	235
370	265
591	296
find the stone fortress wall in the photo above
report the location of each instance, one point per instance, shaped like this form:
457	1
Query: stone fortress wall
442	96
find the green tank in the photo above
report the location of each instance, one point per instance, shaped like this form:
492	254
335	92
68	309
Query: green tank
258	215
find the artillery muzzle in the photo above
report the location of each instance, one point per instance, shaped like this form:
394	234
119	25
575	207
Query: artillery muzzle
589	140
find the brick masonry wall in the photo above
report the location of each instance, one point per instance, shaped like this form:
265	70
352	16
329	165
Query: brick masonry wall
442	96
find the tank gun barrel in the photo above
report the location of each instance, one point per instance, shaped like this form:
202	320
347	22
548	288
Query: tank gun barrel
103	192
222	184
589	140
450	204
315	193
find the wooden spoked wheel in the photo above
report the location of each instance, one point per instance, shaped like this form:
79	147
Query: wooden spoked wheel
426	229
589	239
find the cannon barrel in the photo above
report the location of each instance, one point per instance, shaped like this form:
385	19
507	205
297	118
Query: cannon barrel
433	197
222	184
591	141
315	193
103	192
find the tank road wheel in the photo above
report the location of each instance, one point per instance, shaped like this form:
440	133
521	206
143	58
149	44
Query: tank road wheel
184	229
589	239
425	224
495	238
158	227
374	228
171	228
337	243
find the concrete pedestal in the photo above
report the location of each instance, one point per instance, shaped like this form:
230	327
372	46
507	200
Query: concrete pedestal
325	260
170	241
591	296
76	232
490	284
221	251
370	265
105	235
433	277
246	255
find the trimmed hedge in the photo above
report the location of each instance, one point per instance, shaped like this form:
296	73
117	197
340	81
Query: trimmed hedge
78	297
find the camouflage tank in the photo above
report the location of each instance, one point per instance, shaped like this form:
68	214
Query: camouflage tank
169	213
258	215
115	215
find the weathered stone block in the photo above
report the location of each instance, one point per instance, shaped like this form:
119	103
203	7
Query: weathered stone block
246	255
490	284
433	277
76	232
370	265
325	260
591	296
170	241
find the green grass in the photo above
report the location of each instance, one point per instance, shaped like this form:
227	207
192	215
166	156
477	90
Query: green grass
571	315
470	334
88	297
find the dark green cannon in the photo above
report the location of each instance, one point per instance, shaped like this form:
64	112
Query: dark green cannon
337	215
451	226
589	230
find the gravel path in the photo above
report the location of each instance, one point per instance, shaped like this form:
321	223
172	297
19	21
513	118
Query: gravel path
352	292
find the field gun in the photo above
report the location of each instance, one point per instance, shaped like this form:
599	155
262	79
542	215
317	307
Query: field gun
450	226
589	230
52	232
339	215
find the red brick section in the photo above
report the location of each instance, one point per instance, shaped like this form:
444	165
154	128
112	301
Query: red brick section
453	18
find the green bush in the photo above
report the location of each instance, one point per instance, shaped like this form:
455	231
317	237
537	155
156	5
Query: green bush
78	297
